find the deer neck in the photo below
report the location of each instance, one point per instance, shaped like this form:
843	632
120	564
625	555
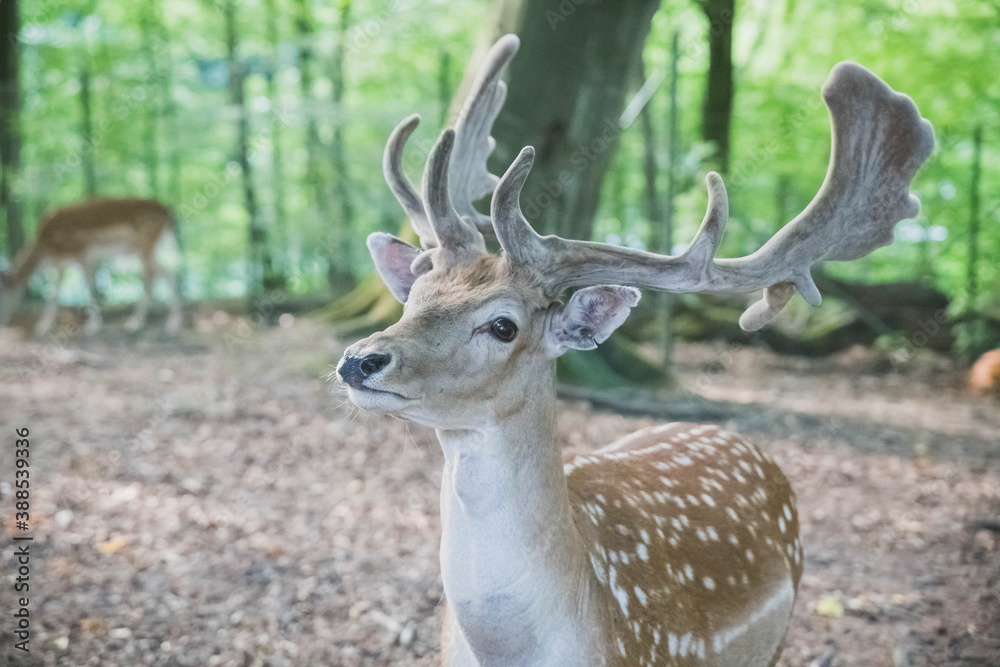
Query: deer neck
514	568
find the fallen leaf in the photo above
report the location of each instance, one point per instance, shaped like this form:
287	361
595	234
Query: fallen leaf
112	545
829	605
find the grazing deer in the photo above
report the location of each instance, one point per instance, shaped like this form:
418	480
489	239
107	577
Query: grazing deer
984	378
86	233
676	545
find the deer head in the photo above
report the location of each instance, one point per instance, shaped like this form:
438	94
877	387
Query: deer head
481	330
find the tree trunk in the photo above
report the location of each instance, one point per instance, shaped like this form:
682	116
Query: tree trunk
664	243
566	92
306	55
343	255
258	259
171	126
972	262
87	134
10	124
148	22
717	111
279	221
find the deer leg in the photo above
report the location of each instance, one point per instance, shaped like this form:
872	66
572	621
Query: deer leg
176	317
138	317
48	318
94	321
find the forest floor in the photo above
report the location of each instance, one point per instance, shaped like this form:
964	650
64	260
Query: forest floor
212	500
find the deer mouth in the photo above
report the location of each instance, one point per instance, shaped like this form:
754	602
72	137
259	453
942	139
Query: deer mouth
379	400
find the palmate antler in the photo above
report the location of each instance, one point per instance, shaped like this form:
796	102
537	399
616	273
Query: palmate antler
879	142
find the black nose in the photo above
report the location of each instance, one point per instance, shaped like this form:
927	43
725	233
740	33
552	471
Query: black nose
354	370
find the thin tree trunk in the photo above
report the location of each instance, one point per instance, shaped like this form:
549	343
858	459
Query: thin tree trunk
280	220
171	125
666	241
650	172
87	134
305	33
151	136
717	111
10	124
257	254
972	264
342	179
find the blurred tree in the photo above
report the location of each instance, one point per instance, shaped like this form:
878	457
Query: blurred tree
972	264
258	252
88	145
341	273
279	220
10	122
305	36
717	111
149	23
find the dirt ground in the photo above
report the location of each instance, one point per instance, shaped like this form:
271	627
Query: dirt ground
212	500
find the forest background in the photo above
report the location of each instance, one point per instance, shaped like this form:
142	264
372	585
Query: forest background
262	122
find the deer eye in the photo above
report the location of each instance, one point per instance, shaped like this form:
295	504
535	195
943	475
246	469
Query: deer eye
503	329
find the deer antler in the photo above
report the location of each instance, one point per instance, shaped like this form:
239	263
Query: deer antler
879	142
457	164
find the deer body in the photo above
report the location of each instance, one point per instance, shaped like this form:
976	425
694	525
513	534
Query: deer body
606	559
677	545
984	378
84	234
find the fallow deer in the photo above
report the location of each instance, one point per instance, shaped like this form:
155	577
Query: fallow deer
84	234
984	378
677	545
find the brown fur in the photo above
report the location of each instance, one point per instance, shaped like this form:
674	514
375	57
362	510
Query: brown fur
67	231
984	378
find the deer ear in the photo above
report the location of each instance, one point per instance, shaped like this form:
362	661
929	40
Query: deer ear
392	259
589	318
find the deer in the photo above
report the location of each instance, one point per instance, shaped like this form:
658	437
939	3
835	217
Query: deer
84	234
984	378
675	545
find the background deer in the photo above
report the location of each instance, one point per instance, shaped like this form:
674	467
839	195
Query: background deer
675	545
84	234
984	378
